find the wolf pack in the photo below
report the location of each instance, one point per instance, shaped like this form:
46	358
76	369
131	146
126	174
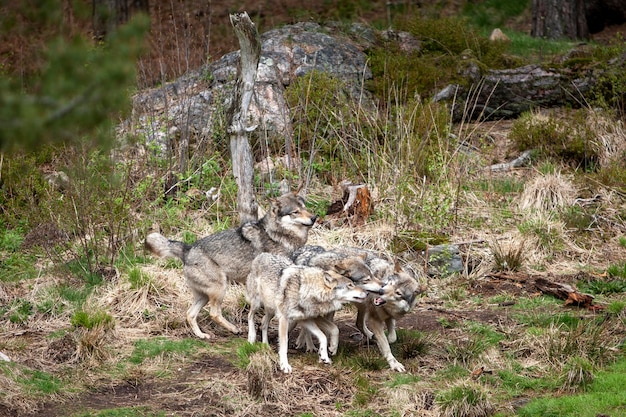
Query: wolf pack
298	284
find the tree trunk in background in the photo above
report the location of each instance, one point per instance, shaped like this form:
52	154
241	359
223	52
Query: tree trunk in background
241	152
559	19
109	14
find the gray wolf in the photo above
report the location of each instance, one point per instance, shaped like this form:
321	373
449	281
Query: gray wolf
397	297
297	294
352	266
211	262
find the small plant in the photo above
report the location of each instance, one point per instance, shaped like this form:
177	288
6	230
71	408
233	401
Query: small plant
578	373
92	320
509	257
21	311
412	344
617	271
464	400
146	349
365	391
464	351
622	241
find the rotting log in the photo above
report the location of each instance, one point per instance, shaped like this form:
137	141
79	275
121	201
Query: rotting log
556	289
355	205
564	292
240	125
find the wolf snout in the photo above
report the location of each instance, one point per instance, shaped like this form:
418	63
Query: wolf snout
378	301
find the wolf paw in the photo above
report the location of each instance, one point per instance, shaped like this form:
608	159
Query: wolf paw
325	360
286	368
396	366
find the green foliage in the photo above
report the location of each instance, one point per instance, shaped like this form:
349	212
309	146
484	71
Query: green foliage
18	266
464	351
568	138
532	49
575	217
491	14
160	346
325	124
577	373
138	411
508	258
464	400
611	286
248	349
19	311
613	174
366	390
549	237
610	89
91	320
39	382
622	242
516	382
489	335
604	396
78	91
617	271
11	239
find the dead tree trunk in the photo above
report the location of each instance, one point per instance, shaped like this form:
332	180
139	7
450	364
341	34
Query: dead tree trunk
107	15
241	152
556	19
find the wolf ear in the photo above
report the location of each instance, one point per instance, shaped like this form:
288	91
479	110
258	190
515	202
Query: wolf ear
397	267
340	268
329	280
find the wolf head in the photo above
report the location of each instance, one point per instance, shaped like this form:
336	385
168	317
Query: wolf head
399	294
355	268
344	289
291	212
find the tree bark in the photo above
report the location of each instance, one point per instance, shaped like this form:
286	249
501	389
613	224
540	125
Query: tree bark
109	14
557	19
241	152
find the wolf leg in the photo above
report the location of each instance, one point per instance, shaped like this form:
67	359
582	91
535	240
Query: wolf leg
200	301
323	349
283	341
330	329
361	319
304	340
391	330
383	345
269	315
254	307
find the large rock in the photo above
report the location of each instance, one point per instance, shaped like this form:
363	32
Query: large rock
196	103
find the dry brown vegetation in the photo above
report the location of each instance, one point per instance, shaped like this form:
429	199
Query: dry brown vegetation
486	334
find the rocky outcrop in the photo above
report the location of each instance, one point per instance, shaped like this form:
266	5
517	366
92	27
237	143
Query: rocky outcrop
196	104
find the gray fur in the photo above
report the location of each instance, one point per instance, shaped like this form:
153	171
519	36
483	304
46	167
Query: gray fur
213	261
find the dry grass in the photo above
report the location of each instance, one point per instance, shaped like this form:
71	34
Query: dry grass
548	193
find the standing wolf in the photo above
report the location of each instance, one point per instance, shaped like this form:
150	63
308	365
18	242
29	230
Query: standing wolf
397	297
297	294
212	261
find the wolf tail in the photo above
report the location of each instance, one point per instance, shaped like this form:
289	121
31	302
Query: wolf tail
165	248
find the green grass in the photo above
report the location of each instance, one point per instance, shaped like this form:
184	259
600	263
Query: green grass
536	49
489	14
151	348
516	383
604	396
139	411
617	271
18	267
